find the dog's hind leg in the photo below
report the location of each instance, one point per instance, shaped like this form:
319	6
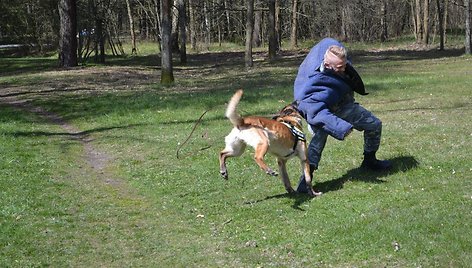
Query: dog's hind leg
234	147
284	175
223	170
260	151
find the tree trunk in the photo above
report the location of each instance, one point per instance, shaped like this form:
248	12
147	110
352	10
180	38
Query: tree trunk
68	30
131	28
418	24
440	8
192	25
256	34
157	13
272	33
174	36
228	21
413	19
167	75
468	18
100	40
249	28
446	5
278	29
207	25
182	34
294	26
426	22
343	21
383	21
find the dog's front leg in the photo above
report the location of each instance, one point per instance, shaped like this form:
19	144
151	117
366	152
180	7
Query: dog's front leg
308	179
306	170
284	174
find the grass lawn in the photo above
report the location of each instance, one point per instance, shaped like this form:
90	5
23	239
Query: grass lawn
92	179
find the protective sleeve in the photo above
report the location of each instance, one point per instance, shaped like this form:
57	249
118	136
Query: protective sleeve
318	115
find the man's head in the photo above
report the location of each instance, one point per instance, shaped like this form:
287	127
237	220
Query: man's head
335	59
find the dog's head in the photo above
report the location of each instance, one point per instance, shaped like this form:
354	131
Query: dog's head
291	114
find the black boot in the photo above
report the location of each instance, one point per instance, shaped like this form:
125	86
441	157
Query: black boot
372	163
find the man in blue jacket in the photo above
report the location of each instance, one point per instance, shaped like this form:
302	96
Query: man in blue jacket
324	90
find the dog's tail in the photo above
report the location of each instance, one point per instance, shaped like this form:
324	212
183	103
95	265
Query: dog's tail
231	112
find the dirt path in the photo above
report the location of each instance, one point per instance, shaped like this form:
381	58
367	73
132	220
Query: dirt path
96	159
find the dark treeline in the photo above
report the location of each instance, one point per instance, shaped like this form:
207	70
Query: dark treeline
104	24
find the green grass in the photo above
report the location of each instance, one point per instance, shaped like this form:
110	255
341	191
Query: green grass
169	212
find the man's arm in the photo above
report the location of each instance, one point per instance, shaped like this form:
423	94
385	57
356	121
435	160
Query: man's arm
318	115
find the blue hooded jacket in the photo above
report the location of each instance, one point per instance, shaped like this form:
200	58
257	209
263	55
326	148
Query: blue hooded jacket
316	92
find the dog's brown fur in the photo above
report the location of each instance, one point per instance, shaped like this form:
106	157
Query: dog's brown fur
266	135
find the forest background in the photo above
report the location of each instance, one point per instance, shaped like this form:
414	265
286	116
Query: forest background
81	29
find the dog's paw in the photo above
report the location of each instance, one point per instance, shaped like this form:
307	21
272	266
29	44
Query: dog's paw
272	173
314	193
224	174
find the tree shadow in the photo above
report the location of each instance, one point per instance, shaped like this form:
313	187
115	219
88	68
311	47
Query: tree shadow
362	56
73	135
42	92
213	61
21	65
399	164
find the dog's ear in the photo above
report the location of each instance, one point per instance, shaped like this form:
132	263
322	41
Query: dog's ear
292	108
281	113
288	110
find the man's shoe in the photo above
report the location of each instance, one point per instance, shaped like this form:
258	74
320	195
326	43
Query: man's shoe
372	163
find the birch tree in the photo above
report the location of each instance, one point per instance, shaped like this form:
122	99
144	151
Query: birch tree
131	28
468	18
294	26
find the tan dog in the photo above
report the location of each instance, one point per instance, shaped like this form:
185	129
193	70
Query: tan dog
281	136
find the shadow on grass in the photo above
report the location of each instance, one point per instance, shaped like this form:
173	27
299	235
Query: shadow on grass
400	164
405	54
42	92
22	65
216	60
79	135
